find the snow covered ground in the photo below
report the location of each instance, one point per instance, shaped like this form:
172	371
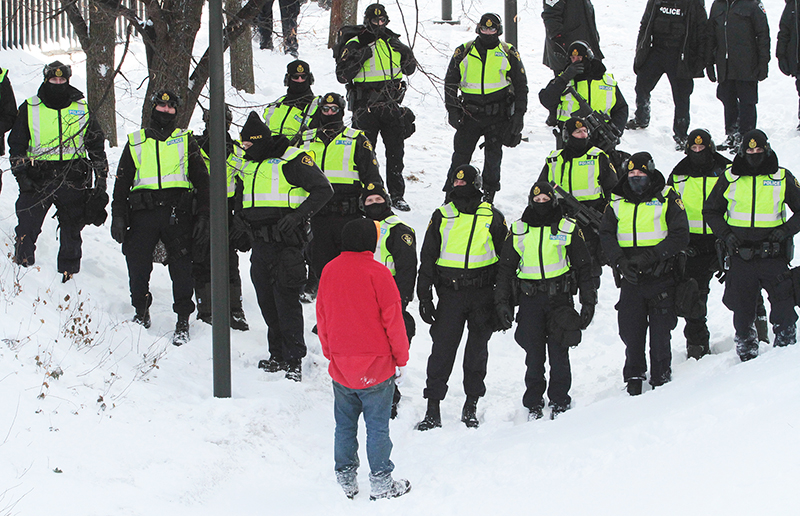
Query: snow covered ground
99	416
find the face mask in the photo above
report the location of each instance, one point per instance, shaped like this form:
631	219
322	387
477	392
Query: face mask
57	95
543	209
299	87
331	121
163	121
701	159
377	211
578	145
377	29
489	40
755	160
464	192
638	184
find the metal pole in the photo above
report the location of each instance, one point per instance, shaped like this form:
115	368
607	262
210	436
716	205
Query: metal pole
447	10
218	199
511	22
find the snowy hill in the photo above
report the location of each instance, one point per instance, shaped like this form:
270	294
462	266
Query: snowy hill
101	417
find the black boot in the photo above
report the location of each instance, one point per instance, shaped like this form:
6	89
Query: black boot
468	416
203	295
433	418
238	322
762	328
272	365
747	345
635	386
294	370
143	315
785	335
181	335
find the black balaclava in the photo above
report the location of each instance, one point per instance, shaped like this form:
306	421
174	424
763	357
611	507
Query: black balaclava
377	211
576	146
704	159
640	161
264	145
298	88
466	198
751	140
489	20
360	235
331	123
542	213
164	123
56	96
374	11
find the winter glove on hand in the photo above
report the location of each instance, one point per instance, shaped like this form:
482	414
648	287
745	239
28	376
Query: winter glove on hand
778	235
629	270
399	375
289	222
573	70
712	76
587	314
427	311
454	119
505	315
516	123
398	46
100	183
783	65
201	234
118	228
762	72
732	242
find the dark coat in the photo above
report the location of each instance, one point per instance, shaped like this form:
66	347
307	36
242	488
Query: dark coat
566	21
8	111
692	51
787	49
738	28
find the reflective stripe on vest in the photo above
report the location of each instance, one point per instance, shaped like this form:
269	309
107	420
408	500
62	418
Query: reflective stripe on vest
694	192
543	255
382	253
641	224
601	97
769	194
265	186
481	78
57	134
231	187
337	158
466	240
581	177
384	65
288	120
160	164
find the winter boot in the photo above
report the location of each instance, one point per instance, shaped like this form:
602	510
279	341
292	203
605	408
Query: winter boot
558	408
396	488
488	196
468	416
347	479
238	322
143	316
272	365
762	328
635	386
535	413
680	142
66	276
697	351
785	335
400	204
309	293
433	418
747	345
294	370
203	295
181	335
634	124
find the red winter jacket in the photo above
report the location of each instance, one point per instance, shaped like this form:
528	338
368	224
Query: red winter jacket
360	320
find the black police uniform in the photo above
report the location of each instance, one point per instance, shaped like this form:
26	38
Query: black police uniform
566	21
647	286
787	46
671	35
8	110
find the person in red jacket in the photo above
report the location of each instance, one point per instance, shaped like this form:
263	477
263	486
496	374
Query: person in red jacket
361	329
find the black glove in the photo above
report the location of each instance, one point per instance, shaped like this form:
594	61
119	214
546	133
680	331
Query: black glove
427	311
398	46
732	242
100	183
454	119
118	228
783	65
240	233
505	316
778	235
712	76
587	314
516	123
289	222
26	184
573	70
629	270
558	41
644	260
201	233
762	72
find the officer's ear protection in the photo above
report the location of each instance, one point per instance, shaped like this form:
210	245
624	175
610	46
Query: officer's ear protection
627	165
309	80
711	145
587	49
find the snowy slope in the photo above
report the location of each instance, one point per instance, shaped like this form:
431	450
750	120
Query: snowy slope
101	417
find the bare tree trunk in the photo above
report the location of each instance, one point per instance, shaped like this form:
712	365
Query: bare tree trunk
100	92
343	12
241	54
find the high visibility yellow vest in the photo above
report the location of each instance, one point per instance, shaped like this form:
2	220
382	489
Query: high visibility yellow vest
756	201
580	177
466	240
382	253
231	172
286	119
265	186
384	65
57	134
160	164
337	159
479	77
694	192
641	224
602	96
543	255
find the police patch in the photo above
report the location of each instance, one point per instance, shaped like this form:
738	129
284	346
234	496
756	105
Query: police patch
460	174
329	99
165	97
752	144
488	23
630	165
580	234
59	73
680	204
300	69
575	52
536	190
307	161
578	124
408	239
344	53
796	183
374	161
698	140
370	186
367	145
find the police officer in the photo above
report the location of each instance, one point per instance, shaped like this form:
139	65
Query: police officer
493	101
201	260
671	37
787	46
643	228
397	249
283	188
346	158
459	256
546	252
586	172
160	166
8	112
54	146
290	114
589	78
738	42
747	210
373	64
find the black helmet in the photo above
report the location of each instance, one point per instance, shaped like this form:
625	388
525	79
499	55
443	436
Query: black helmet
700	137
298	67
581	48
469	174
375	11
57	69
752	139
168	97
490	21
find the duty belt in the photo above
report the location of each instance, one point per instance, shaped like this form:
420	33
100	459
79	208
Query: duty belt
764	250
560	285
344	207
491	109
484	279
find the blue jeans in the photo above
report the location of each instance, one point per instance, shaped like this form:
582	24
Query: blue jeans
376	404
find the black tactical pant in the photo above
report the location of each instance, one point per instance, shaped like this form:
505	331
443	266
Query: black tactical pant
466	138
700	267
32	207
739	99
649	305
327	242
385	118
472	306
147	227
533	337
658	63
743	284
278	294
290	9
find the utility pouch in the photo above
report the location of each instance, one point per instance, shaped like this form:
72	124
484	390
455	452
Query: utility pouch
687	300
291	271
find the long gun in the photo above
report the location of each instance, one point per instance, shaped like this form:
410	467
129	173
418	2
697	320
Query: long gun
583	214
602	132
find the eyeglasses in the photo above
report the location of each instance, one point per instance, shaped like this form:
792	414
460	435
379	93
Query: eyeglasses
330	110
488	30
167	103
299	77
380	20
